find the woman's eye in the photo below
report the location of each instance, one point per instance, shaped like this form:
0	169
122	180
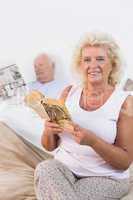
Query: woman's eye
100	59
87	60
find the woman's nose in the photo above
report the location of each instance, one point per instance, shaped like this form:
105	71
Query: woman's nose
93	64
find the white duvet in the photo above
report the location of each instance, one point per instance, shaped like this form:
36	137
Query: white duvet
23	120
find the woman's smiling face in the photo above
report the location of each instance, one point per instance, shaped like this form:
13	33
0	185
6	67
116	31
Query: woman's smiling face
95	64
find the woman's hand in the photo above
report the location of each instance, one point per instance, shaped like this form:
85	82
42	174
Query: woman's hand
81	135
52	128
50	139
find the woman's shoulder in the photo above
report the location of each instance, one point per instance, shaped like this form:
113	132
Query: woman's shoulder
128	102
127	106
68	90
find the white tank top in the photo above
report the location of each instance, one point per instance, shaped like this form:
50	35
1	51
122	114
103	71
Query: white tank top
82	160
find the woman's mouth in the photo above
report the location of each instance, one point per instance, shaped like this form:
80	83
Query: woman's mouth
94	73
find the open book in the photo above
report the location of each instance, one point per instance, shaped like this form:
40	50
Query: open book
47	108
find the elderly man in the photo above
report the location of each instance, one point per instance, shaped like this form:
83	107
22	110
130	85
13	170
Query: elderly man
45	77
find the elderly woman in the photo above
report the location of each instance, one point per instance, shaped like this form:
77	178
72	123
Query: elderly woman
91	161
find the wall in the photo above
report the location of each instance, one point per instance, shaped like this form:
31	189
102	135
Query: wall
28	27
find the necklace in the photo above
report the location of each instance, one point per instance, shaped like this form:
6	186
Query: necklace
93	100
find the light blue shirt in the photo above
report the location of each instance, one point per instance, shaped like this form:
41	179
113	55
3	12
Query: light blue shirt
51	89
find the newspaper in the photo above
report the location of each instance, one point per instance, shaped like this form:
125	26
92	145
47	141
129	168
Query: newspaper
11	82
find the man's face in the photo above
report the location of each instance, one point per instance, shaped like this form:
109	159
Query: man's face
44	69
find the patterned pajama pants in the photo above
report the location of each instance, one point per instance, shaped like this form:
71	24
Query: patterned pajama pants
54	181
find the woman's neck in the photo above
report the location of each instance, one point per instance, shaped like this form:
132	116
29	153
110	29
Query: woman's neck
97	89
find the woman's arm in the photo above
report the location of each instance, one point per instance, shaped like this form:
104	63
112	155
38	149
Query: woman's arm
49	142
50	138
120	154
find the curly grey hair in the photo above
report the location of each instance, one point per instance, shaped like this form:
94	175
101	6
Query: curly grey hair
113	50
